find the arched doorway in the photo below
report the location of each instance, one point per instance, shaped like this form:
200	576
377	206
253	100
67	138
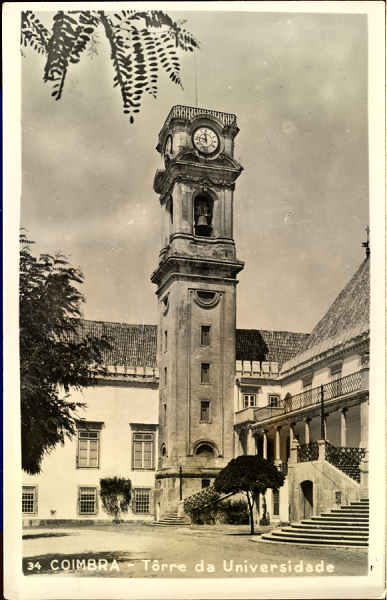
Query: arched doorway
307	498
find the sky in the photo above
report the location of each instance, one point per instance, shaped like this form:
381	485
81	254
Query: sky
298	85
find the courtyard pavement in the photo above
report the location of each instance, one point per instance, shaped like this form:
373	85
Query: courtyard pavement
140	550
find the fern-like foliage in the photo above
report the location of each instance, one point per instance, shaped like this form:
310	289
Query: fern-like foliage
142	43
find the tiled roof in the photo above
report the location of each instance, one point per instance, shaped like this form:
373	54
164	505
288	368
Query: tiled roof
136	345
132	345
270	346
347	318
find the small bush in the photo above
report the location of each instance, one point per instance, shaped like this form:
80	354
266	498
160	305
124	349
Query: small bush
115	495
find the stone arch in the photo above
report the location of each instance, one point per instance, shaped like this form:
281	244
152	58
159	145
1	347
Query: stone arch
205	448
203	212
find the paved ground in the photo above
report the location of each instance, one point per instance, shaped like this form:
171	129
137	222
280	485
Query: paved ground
137	550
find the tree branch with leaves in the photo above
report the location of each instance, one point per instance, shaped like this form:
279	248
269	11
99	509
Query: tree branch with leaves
55	356
251	475
142	43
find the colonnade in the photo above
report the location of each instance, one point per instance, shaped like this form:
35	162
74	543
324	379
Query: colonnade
275	433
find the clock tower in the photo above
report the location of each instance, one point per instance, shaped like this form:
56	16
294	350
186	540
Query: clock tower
196	290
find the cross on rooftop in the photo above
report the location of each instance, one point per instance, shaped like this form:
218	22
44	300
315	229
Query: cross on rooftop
366	244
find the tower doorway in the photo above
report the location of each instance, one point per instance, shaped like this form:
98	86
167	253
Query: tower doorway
307	499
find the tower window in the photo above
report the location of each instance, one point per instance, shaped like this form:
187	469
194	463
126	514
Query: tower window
165	341
204	411
205	335
165	375
203	215
205	373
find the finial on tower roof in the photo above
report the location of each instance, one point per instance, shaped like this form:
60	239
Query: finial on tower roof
366	244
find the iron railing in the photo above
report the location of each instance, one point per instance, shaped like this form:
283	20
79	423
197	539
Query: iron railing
333	389
345	458
344	454
188	112
307	452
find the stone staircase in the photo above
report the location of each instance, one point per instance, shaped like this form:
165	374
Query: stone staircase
171	518
344	526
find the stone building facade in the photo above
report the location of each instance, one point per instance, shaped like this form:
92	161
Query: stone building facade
184	397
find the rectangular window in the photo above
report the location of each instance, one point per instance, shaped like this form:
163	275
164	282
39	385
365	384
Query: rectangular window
274	400
142	451
88	449
205	373
141	501
205	335
204	411
165	375
276	503
29	500
87	500
165	341
249	400
206	483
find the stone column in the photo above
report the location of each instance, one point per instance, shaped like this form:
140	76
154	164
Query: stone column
293	445
307	431
264	449
343	427
277	446
237	443
251	445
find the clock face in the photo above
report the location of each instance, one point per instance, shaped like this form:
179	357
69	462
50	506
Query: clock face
205	140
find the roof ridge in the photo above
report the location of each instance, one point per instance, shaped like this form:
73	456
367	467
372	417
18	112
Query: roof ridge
273	331
117	323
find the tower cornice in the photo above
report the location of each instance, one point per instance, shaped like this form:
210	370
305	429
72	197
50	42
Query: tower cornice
186	266
216	175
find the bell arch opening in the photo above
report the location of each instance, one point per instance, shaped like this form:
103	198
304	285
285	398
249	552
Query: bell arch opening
203	212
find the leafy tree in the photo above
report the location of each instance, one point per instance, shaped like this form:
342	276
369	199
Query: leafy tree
252	475
141	43
115	494
54	355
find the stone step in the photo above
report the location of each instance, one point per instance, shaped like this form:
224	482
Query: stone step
361	509
312	527
340	519
322	536
349	513
344	526
317	542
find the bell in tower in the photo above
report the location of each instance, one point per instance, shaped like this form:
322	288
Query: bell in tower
196	282
203	215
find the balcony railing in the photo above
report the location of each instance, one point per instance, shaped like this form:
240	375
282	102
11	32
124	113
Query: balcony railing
333	389
266	412
188	112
